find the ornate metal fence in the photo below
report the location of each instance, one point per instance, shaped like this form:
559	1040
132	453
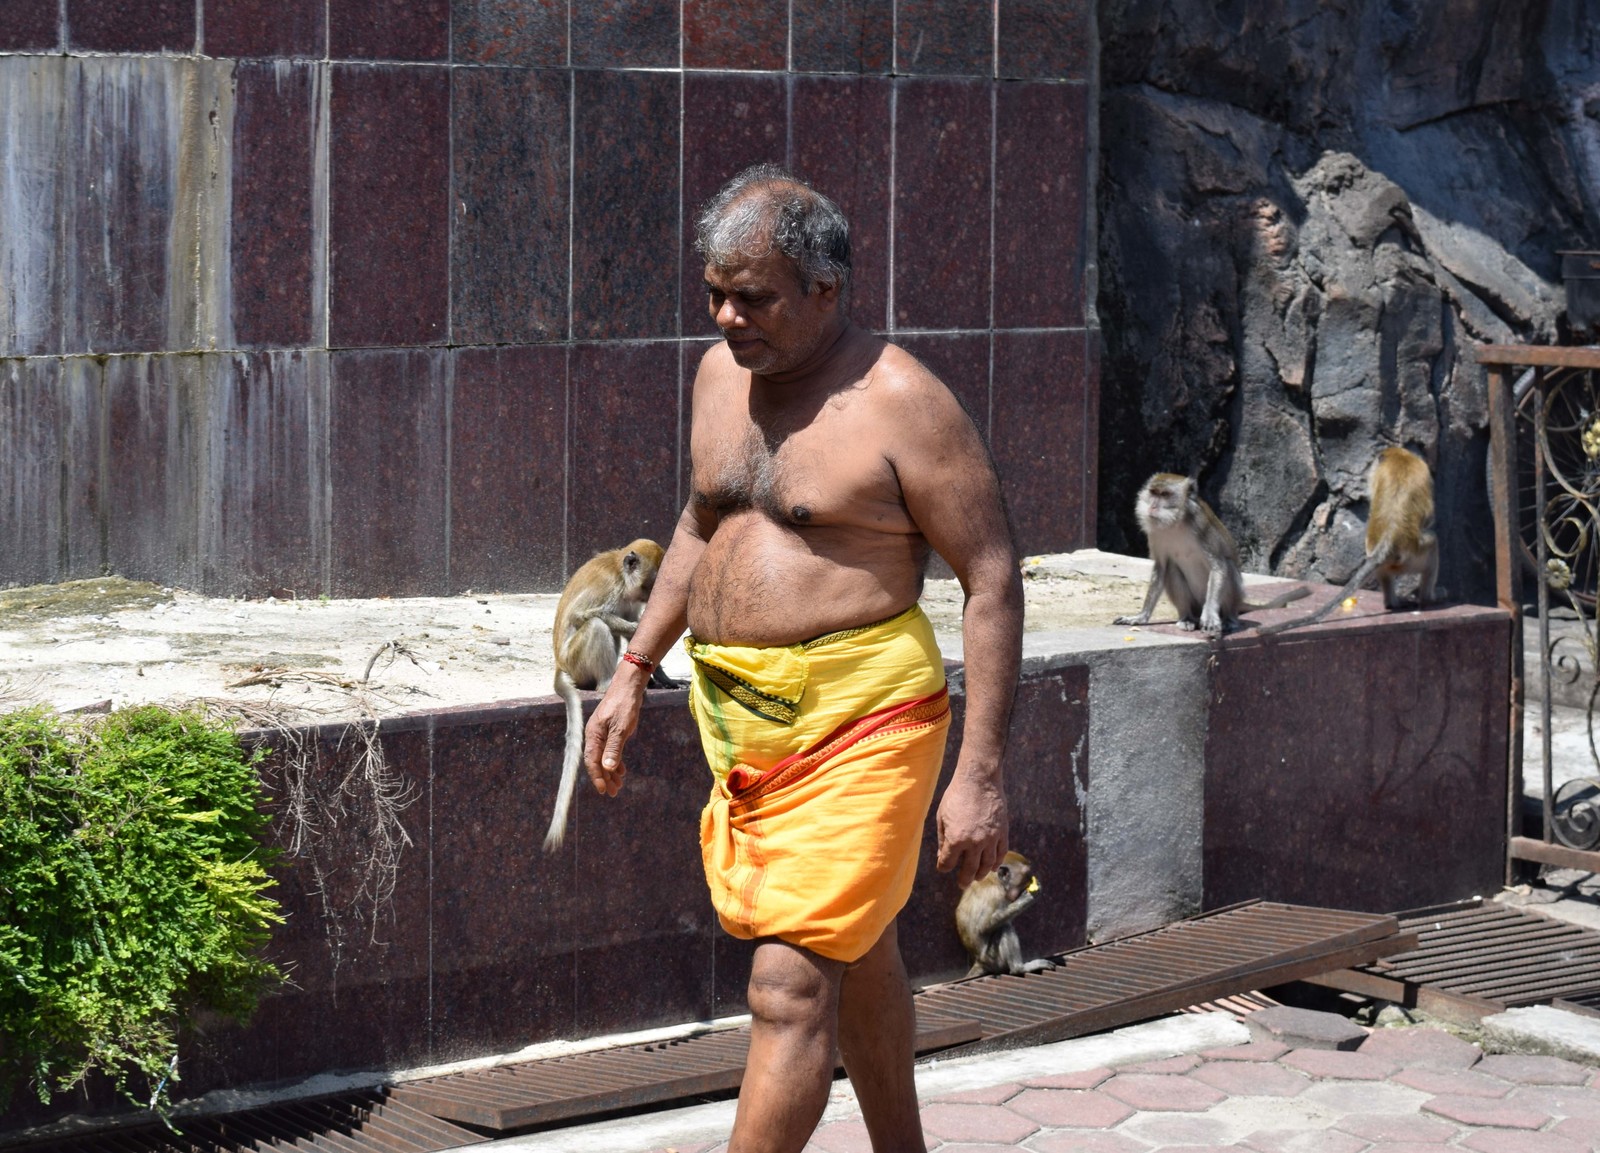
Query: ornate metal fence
1544	473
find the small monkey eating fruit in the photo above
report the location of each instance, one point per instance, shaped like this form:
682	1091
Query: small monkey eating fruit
1400	537
1194	557
597	613
984	917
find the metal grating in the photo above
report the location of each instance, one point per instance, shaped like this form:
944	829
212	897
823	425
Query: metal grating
585	1084
1478	958
362	1122
1100	987
1215	955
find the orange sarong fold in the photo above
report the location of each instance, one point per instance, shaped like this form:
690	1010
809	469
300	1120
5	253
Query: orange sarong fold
825	757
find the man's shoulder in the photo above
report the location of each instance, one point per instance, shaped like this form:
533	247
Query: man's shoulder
899	377
718	370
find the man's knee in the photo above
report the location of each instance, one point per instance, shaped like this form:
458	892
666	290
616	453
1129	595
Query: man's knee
791	987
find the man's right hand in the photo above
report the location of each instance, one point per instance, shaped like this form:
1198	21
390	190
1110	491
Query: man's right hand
613	722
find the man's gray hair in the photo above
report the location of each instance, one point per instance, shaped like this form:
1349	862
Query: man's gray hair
766	208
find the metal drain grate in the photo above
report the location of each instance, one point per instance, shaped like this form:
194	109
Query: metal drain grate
1478	958
586	1084
1227	952
349	1123
1232	950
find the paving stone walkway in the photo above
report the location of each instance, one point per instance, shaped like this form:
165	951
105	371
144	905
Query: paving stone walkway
1405	1090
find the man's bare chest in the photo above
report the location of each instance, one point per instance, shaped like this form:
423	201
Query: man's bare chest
817	475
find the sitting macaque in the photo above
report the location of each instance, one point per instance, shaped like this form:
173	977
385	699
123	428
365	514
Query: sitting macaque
984	917
597	613
1194	557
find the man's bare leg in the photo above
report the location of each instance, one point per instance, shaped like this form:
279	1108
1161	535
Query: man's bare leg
794	1028
877	1039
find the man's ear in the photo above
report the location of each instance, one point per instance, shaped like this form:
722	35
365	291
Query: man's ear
827	293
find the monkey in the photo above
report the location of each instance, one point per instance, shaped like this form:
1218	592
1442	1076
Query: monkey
984	917
1195	559
1400	536
598	610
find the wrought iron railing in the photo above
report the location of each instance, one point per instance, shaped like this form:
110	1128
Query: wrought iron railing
1545	487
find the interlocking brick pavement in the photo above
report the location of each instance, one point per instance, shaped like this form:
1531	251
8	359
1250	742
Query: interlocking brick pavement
1405	1090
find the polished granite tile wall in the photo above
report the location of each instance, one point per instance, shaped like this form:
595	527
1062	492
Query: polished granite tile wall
459	231
1361	764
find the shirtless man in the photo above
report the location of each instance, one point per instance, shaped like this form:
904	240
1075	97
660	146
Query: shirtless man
826	464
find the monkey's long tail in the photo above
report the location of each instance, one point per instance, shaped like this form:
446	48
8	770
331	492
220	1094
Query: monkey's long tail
1368	567
1278	601
570	761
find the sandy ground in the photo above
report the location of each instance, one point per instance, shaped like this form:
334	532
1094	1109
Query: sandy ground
85	643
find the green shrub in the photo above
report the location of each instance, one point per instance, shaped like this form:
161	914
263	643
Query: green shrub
131	892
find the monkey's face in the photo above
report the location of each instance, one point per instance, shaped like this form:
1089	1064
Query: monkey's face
771	326
1015	876
1163	501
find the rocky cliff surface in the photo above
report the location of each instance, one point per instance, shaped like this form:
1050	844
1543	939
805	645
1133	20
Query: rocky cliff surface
1308	210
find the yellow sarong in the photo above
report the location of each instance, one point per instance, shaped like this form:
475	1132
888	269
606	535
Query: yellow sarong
825	757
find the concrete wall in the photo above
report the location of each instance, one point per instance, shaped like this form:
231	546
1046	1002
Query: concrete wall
317	296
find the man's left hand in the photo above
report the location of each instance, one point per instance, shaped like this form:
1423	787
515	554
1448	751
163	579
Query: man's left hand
972	828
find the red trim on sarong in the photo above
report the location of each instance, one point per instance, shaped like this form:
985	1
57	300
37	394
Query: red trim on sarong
746	786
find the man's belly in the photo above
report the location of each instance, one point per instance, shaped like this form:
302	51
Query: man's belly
763	583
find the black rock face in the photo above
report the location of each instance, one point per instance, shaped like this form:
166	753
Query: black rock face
1307	210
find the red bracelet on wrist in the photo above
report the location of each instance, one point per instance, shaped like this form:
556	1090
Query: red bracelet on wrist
638	658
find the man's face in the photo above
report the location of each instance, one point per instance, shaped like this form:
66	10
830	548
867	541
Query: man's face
770	325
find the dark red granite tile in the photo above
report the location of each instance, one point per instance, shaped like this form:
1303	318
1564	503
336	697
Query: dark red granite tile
1045	39
387	466
358	955
926	927
961	360
508	468
942	202
389	205
1046	772
840	129
511	150
753	35
730	977
691	353
272	209
119	192
154	413
853	36
1041	438
34	420
730	121
30	26
1049	724
1325	744
264	531
646	962
113	26
625	242
389	29
505	911
522	32
935	37
625	34
265	28
622	474
1041	182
